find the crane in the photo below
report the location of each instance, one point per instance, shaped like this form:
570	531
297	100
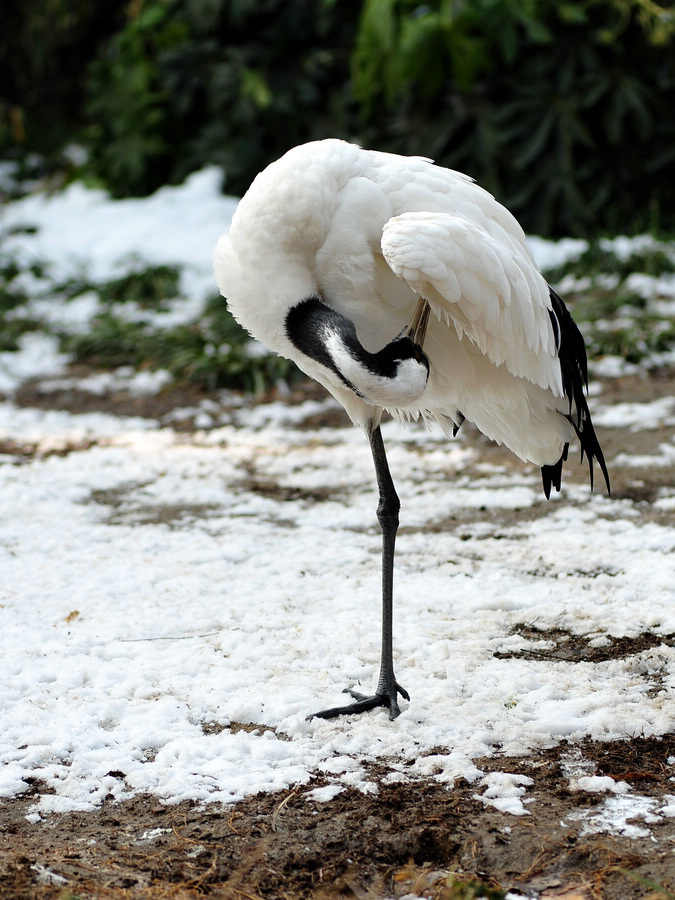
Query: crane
404	287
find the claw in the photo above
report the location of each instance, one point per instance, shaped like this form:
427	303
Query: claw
402	691
365	703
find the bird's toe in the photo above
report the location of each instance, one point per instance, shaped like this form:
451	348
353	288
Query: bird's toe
384	696
402	691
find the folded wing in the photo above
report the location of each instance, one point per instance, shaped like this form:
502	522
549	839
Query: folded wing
491	292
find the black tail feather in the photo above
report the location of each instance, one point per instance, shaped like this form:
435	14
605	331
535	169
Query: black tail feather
551	476
574	369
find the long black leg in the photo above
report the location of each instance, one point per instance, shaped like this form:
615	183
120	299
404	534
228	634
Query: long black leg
386	693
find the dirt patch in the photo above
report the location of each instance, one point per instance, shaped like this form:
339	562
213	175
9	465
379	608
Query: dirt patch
162	405
24	451
558	644
119	402
125	509
419	837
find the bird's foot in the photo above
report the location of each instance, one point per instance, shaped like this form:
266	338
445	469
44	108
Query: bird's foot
384	696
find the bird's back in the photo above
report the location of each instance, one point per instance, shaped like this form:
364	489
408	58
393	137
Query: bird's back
367	232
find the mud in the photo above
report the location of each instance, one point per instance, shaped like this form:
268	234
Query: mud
420	838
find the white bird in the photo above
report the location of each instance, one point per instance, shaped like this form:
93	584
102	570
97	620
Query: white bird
403	286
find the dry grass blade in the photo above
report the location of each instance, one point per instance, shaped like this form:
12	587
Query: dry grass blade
279	809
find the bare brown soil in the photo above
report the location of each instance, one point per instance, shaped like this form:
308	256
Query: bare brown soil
420	838
416	838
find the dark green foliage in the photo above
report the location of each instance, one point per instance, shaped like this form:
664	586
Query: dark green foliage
213	352
454	887
599	303
563	110
10	296
150	288
633	338
44	48
614	318
12	323
189	82
11	330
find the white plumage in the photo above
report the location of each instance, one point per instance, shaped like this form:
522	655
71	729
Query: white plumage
328	256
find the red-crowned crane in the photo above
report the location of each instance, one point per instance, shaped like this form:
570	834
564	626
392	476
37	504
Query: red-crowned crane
403	286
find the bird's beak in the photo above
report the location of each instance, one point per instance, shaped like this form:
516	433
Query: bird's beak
417	328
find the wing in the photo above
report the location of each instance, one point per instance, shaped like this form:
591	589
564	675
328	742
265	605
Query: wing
490	291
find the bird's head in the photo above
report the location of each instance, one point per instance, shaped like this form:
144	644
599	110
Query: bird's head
394	377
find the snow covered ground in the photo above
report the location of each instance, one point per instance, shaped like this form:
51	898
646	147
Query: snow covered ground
158	590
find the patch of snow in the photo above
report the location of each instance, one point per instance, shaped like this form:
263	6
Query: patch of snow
598	784
551	254
124	378
504	791
324	794
81	230
615	816
649	287
45	875
624	247
72	316
612	367
201	599
637	416
38	356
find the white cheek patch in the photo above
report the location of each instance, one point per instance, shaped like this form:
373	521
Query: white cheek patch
404	389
